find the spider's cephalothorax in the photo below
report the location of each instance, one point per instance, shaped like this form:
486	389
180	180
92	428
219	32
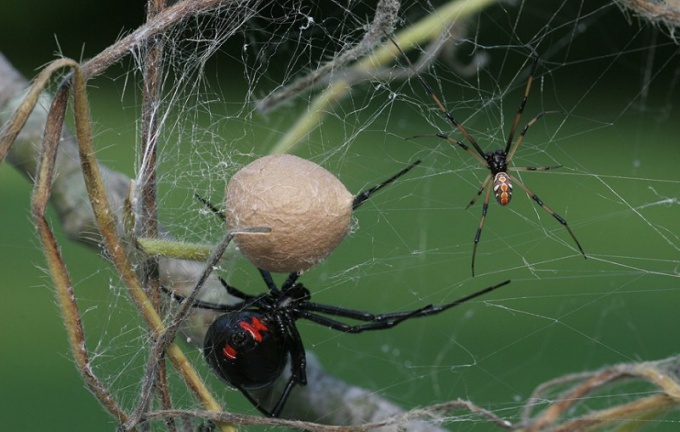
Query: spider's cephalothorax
249	345
498	163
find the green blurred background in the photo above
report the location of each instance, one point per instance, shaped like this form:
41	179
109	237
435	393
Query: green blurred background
614	77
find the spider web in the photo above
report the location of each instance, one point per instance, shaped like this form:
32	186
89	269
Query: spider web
613	78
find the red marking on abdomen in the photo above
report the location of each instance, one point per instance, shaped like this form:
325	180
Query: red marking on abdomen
254	328
229	352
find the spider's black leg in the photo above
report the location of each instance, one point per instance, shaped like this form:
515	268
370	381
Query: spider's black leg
375	321
433	96
478	234
292	278
364	195
232	290
433	310
206	305
559	218
298	358
479	192
511	153
456	142
281	403
336	311
298	365
268	280
254	402
532	168
219	213
464	147
381	321
520	111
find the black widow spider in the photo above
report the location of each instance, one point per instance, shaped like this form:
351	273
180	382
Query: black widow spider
496	162
248	346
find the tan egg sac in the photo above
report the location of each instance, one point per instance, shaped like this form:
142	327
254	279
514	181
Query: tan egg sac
307	208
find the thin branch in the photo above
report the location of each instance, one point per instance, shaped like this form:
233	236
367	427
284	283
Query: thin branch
163	21
147	215
409	420
61	278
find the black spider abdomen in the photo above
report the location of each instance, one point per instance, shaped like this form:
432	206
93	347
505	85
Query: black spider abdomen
246	350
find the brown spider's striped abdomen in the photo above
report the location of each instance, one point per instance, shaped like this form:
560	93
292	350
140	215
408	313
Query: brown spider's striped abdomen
502	188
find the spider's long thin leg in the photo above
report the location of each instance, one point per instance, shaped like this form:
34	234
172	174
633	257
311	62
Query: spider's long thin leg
531	168
522	104
381	321
219	213
206	305
456	142
433	310
298	367
364	195
269	281
430	92
337	311
478	234
559	218
255	402
520	137
292	278
479	192
510	152
232	290
276	412
375	322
